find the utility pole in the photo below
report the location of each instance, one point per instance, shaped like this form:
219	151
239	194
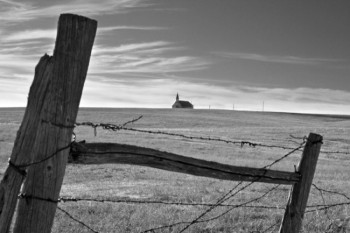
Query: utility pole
263	106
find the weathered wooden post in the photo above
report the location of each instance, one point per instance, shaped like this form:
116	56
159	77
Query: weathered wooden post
57	86
70	61
299	194
26	135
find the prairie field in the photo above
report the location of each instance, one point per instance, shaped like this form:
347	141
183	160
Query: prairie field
128	188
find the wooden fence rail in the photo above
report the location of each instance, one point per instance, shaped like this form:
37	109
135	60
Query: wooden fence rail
101	153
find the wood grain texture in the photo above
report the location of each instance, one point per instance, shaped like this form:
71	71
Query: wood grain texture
100	153
299	194
75	38
26	136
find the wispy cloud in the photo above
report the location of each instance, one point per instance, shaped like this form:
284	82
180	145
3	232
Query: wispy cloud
29	35
125	27
34	34
275	58
12	11
147	57
131	48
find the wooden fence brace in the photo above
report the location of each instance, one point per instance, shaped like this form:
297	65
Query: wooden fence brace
100	153
299	194
69	65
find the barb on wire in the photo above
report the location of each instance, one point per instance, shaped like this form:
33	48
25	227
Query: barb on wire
336	152
76	220
114	127
107	126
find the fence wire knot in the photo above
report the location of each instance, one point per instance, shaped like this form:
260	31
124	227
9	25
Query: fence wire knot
27	197
17	169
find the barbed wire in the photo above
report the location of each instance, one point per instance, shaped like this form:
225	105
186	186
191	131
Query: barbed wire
63	200
76	220
335	152
137	201
328	206
219	203
212	218
270	227
231	193
323	200
331	191
114	127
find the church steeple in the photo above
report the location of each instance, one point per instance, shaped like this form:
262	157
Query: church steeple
177	97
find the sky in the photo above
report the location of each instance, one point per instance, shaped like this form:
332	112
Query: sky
285	56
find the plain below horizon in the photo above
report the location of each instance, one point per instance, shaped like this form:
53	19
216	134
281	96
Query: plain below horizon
342	116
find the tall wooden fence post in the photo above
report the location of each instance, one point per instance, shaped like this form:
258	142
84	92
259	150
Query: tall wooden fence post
299	194
49	153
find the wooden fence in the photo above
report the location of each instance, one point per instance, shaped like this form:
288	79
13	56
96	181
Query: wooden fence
41	148
301	179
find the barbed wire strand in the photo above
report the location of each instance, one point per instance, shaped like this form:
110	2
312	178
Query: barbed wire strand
213	218
246	186
270	227
323	200
114	127
76	220
219	203
230	194
331	191
75	199
323	207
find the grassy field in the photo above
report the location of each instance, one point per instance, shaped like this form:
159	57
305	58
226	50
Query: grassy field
126	182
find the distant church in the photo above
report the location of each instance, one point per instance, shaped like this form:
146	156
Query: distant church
182	103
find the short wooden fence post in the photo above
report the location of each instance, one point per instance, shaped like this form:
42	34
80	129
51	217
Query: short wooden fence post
26	135
299	194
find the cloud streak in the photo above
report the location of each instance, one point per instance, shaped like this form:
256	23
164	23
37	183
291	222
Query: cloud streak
14	12
147	57
275	58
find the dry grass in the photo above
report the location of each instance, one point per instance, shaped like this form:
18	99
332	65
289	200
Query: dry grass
123	181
